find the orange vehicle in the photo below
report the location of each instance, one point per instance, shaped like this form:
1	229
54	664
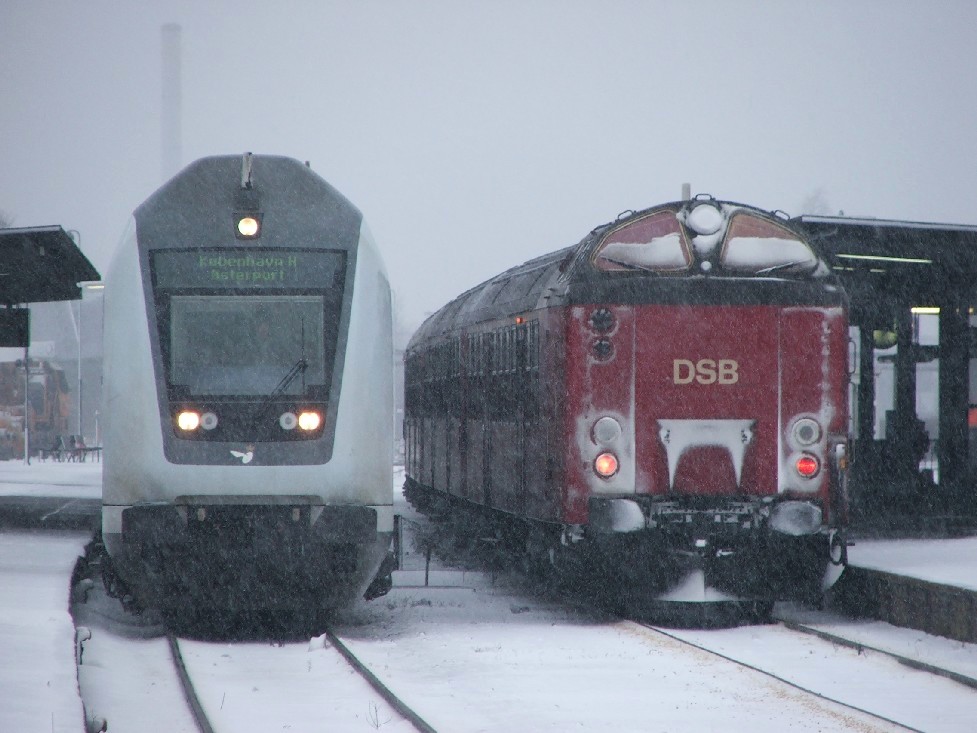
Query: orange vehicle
49	404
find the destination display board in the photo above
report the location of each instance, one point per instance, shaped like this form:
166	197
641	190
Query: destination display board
247	269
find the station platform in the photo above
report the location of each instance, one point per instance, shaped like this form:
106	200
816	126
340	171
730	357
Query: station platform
50	495
924	584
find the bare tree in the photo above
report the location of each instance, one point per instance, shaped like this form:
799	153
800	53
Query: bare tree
5	221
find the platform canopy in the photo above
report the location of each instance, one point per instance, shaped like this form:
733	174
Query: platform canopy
884	263
41	264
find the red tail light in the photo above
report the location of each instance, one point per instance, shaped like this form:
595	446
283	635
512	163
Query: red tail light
606	465
807	466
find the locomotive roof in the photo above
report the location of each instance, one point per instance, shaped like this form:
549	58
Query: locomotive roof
516	290
41	264
524	287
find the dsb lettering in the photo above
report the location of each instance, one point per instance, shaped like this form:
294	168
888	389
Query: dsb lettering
705	371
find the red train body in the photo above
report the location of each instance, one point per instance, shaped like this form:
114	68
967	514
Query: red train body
668	398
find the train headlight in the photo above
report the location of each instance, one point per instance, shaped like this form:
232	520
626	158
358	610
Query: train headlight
309	420
602	320
208	421
807	466
705	219
247	226
606	431
806	431
188	420
603	349
605	465
288	421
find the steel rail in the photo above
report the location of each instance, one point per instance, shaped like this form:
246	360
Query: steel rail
859	646
385	692
189	694
771	675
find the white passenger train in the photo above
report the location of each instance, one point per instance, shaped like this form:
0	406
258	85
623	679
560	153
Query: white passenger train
248	394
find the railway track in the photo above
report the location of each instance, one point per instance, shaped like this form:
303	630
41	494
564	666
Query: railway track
235	680
928	716
492	654
784	679
861	646
769	651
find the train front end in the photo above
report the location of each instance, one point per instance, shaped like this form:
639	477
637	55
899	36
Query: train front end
707	361
248	399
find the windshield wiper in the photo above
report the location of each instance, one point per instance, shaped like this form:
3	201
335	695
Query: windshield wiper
626	265
298	367
294	371
781	266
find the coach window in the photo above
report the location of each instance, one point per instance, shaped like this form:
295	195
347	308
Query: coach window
531	393
476	375
755	246
656	242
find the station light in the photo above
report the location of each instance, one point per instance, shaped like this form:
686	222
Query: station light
882	258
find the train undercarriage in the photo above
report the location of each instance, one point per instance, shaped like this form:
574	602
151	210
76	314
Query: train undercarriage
184	558
684	562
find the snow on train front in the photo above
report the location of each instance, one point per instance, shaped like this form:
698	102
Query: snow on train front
248	394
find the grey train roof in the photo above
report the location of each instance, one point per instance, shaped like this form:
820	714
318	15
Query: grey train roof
185	210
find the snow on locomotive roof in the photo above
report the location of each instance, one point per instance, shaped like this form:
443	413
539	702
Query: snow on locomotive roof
667	239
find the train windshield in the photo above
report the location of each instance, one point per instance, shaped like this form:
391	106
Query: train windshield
247	344
755	246
656	243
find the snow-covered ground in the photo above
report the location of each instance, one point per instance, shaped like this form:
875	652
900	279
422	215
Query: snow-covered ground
482	655
38	688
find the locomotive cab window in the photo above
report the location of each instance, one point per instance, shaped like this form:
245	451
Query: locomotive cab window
656	243
246	345
755	246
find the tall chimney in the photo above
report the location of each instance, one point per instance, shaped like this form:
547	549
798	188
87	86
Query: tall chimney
172	104
686	191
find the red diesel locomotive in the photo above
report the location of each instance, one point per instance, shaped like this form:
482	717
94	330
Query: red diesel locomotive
666	399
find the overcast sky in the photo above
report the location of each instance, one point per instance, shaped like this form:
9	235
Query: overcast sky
475	135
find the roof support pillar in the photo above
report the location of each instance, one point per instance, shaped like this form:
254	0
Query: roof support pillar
904	431
952	447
